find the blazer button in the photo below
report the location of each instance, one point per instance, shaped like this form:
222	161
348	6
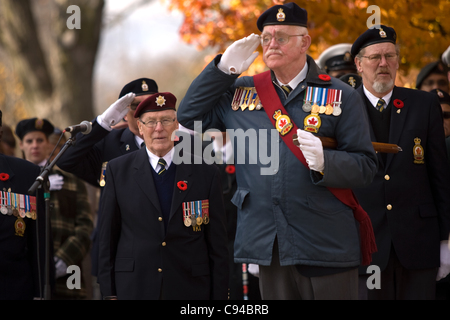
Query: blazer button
163	244
160	219
386	177
159	270
389	207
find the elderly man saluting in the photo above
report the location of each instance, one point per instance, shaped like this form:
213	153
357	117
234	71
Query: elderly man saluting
299	222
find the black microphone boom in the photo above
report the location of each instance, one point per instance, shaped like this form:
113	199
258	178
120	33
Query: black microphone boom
84	127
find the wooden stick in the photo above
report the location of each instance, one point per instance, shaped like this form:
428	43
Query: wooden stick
331	143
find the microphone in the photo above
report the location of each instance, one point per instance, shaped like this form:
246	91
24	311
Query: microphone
84	127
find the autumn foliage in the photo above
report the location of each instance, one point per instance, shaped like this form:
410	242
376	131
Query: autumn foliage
423	27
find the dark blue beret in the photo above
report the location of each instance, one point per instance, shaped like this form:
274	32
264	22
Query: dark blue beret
373	36
140	87
34	124
289	14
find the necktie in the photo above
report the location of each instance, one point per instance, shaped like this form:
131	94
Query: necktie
162	163
380	105
142	144
286	89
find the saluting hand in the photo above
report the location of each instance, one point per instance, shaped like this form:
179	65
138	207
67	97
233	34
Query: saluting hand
240	55
116	111
312	150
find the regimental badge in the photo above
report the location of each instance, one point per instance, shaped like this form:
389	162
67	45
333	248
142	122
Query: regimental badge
144	86
19	225
38	124
382	33
282	122
281	15
418	152
160	101
312	122
102	180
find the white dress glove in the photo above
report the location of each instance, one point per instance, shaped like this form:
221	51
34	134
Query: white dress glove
240	55
60	267
115	112
312	149
56	182
444	269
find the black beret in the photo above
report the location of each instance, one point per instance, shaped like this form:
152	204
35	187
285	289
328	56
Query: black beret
34	124
140	87
156	102
443	96
433	67
352	79
289	14
373	36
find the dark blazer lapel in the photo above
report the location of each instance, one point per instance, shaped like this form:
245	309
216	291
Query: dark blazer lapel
184	173
144	178
397	120
128	143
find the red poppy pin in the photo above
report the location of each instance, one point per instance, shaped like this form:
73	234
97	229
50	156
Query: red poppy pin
324	77
398	103
230	169
4	176
182	185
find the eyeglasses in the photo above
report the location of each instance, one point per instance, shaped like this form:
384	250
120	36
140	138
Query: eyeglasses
154	123
280	37
376	58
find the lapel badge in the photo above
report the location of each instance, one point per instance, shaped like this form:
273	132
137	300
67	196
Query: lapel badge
282	122
281	15
418	152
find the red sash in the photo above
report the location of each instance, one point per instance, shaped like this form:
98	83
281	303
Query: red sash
271	102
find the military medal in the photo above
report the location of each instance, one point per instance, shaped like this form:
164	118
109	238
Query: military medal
102	181
253	98
247	92
237	98
329	108
282	122
19	225
336	103
3	208
33	207
27	206
8	203
418	152
323	100
307	104
14	204
205	211
186	216
315	107
21	205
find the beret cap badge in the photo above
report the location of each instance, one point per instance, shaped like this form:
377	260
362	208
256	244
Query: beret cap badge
160	101
280	15
382	33
144	86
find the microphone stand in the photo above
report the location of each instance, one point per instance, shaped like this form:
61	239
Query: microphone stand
42	180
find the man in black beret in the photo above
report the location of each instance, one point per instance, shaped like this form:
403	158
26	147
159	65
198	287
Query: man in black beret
304	239
408	200
87	159
433	76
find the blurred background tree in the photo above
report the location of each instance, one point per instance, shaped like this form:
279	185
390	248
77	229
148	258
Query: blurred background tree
423	27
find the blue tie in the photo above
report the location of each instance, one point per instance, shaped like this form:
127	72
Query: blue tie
380	105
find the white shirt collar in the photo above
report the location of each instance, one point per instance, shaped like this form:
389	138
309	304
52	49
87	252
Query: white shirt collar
298	78
138	140
373	100
153	158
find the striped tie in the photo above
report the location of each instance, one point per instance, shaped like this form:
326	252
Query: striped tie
286	89
380	105
162	163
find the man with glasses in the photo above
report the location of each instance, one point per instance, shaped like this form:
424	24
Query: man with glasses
304	239
408	200
163	234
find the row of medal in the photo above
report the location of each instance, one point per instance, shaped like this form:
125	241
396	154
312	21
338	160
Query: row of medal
322	101
18	205
246	97
196	213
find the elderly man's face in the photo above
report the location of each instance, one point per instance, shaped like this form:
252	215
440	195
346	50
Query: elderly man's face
378	66
278	56
158	137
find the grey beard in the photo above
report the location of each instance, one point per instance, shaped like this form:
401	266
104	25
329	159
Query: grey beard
381	87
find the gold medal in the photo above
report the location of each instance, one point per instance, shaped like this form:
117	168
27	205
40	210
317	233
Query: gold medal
329	110
199	220
322	109
315	108
102	181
